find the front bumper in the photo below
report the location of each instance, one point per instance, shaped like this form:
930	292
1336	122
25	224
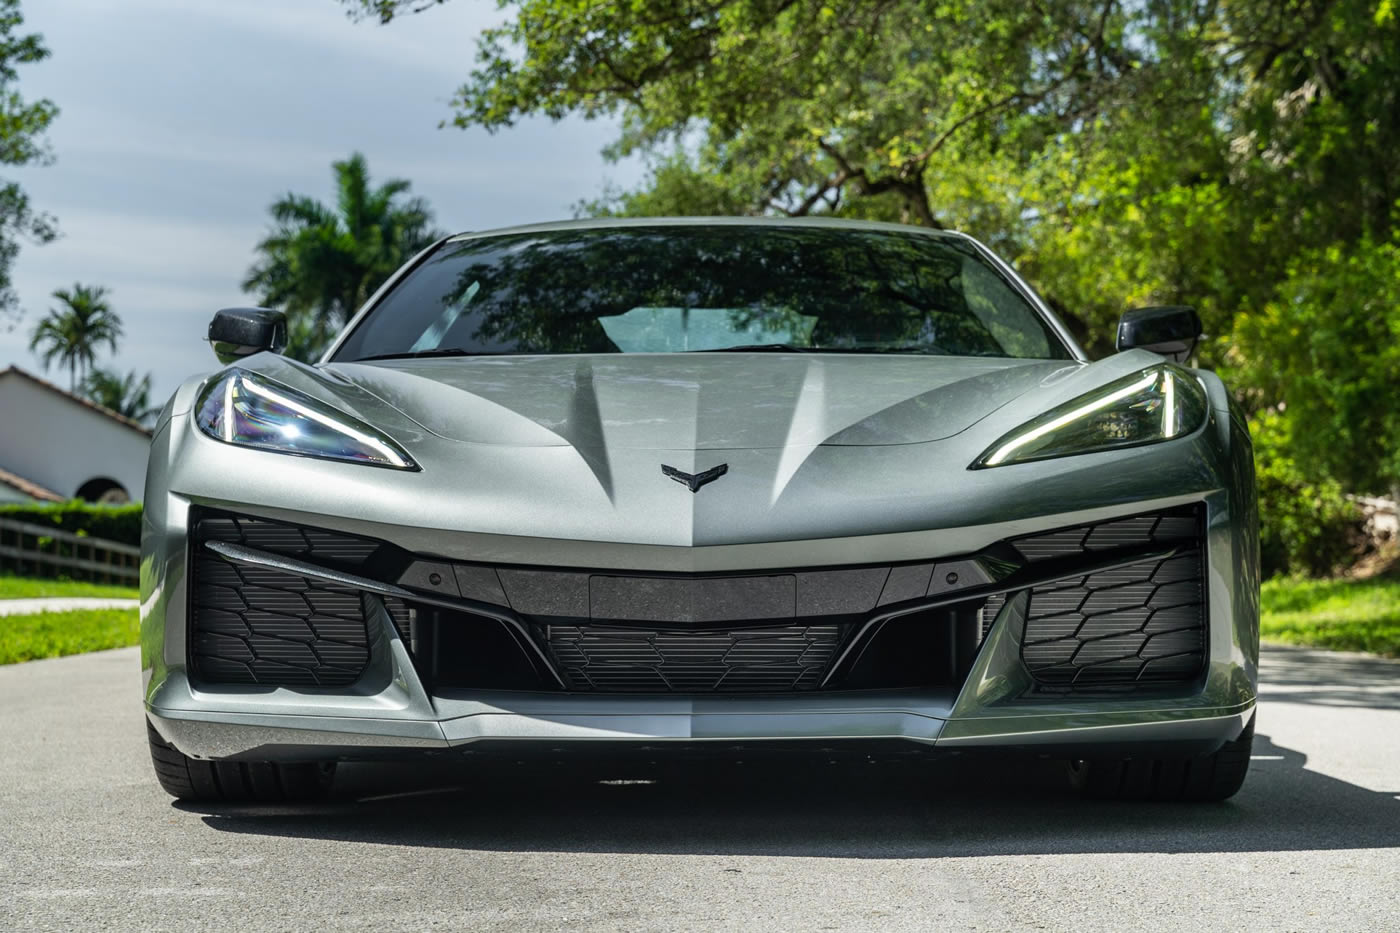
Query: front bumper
388	711
201	730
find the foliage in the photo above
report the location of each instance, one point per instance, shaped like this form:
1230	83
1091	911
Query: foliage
1122	153
22	126
36	588
320	263
307	337
118	523
126	395
55	634
1346	615
72	332
1307	525
1328	350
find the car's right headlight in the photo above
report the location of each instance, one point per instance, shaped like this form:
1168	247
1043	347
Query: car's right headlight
1150	406
248	410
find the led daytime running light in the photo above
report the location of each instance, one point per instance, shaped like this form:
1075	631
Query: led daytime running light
278	399
1016	443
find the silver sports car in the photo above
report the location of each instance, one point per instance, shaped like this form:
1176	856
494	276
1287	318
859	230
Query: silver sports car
701	484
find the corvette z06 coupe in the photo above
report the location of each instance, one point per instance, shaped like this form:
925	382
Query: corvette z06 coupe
715	483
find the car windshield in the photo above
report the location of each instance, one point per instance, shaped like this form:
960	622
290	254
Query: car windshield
689	288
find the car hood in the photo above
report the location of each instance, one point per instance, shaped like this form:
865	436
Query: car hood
729	401
565	460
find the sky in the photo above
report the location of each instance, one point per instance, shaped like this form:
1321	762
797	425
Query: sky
182	120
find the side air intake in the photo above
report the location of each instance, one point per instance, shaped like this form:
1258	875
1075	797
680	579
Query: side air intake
1139	624
253	625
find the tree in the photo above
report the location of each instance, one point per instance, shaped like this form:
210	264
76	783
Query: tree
1119	153
72	332
320	263
22	142
1326	353
128	395
1236	156
802	106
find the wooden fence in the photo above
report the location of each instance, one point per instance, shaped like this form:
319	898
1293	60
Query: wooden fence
35	550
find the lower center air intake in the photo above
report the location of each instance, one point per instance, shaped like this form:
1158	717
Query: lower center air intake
748	660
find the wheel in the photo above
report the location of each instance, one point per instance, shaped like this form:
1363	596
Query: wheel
1211	777
260	781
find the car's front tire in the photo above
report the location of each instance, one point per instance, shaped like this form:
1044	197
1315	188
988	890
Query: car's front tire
189	778
1218	776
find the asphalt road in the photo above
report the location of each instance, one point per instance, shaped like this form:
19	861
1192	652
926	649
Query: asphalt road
89	842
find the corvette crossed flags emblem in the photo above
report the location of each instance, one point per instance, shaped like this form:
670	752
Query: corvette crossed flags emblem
695	480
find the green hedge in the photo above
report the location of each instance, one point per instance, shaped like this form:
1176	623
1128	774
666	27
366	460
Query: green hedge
119	523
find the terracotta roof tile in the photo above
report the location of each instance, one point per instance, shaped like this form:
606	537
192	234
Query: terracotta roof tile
32	490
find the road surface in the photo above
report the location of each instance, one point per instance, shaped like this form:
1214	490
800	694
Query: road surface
89	842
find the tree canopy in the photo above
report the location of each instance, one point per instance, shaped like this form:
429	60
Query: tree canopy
1120	152
73	332
320	262
1240	157
128	395
22	142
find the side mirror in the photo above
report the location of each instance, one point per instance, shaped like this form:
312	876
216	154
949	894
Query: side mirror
238	332
1171	330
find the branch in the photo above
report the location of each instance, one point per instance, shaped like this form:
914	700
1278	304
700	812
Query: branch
908	183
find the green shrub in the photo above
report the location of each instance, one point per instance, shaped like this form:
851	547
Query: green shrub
119	523
1307	525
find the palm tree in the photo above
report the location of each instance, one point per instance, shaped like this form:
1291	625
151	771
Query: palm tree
307	337
72	332
127	395
321	263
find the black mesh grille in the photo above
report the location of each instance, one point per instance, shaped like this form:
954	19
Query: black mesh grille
990	609
328	548
1141	623
1176	526
757	660
251	625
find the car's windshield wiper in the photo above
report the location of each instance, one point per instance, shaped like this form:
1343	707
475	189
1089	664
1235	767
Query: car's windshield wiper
757	348
925	349
438	351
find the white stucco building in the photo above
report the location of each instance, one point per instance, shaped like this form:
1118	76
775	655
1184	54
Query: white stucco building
55	445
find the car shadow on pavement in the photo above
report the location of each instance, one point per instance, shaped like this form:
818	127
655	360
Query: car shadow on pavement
813	807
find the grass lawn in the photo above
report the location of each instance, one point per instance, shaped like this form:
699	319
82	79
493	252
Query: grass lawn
1348	615
33	588
51	634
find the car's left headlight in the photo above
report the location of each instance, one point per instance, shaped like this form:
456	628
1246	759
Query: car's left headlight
1156	404
249	410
